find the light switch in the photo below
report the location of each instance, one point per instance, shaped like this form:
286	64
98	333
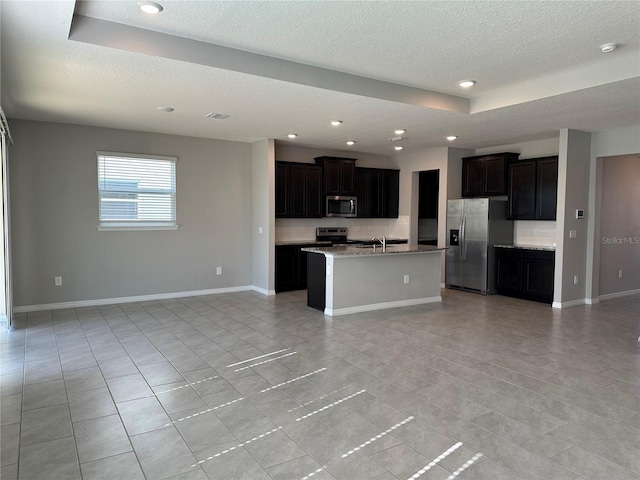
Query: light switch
573	233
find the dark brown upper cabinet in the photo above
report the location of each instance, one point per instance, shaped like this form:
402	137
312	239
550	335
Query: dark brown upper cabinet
298	190
486	175
547	188
378	192
533	188
283	189
339	175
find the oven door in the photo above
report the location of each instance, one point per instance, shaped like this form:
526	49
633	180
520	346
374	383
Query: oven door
341	206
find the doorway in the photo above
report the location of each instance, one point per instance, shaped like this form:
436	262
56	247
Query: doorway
428	191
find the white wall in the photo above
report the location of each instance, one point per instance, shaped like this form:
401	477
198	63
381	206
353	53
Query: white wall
55	214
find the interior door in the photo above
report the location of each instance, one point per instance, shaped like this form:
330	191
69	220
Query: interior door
475	241
453	259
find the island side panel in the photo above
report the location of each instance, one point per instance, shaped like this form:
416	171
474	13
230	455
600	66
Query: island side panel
361	283
316	281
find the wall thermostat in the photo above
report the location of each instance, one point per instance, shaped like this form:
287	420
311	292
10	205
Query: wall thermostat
579	214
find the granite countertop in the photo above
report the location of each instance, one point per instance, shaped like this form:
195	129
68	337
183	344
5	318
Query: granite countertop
548	248
369	250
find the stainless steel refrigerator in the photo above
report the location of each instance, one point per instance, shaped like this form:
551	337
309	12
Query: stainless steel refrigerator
474	225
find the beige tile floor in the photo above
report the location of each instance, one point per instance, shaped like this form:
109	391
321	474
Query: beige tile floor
242	386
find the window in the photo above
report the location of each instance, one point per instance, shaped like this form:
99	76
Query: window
136	191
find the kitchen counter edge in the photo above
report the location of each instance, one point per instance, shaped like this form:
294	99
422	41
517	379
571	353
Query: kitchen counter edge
360	251
546	248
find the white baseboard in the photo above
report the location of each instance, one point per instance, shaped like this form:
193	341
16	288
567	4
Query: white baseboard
137	298
571	303
263	291
595	301
380	306
626	293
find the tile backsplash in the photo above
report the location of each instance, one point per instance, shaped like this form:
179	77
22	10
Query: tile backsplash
534	232
291	229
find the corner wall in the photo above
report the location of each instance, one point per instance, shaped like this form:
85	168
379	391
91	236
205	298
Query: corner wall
573	193
263	217
54	217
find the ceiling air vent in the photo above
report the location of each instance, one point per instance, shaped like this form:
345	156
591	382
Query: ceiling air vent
217	116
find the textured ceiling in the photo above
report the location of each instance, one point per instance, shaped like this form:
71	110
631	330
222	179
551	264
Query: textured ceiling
538	66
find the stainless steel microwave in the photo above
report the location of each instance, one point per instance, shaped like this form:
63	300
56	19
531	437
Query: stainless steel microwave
341	206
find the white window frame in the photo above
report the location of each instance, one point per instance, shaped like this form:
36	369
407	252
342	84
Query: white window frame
110	225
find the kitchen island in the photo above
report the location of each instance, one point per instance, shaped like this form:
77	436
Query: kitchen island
351	279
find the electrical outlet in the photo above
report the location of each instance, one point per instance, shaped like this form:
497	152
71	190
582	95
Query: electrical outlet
218	270
260	230
573	233
575	279
406	279
619	273
57	281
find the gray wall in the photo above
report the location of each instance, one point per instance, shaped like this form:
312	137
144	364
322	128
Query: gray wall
620	141
573	193
263	220
620	225
55	217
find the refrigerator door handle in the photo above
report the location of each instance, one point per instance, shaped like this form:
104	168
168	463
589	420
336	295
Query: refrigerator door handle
460	237
463	224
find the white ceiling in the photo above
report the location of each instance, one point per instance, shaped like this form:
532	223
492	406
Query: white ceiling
538	66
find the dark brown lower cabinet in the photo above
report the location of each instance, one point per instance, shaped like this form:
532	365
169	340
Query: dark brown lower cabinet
291	268
524	273
316	289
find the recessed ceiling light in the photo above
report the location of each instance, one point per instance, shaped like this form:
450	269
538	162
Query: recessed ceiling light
398	148
467	83
292	135
608	47
400	131
165	109
151	7
335	123
351	142
451	138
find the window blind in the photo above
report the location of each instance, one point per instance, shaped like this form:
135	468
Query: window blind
136	189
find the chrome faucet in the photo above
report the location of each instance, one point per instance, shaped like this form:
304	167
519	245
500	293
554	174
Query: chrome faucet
383	242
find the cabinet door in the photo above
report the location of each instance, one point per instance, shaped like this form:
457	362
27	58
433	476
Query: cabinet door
302	270
509	271
391	193
298	190
347	177
495	178
472	177
538	276
361	192
332	177
313	197
286	268
374	190
282	187
547	189
522	190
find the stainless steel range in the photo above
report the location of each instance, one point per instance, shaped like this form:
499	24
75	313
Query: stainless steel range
336	235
